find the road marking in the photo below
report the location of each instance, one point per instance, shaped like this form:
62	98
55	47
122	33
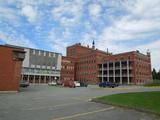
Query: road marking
83	114
67	104
85	99
112	88
50	107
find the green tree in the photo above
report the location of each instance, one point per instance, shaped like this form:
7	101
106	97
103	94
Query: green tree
158	75
154	73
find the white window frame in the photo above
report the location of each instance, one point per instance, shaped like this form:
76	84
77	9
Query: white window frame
39	52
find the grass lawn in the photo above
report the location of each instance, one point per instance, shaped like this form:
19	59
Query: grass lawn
148	101
152	85
155	83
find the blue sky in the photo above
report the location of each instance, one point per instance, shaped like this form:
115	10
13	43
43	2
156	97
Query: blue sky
120	25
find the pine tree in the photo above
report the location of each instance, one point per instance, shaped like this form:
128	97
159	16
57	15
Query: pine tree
158	75
154	73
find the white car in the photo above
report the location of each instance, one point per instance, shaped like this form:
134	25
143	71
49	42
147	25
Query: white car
52	83
77	84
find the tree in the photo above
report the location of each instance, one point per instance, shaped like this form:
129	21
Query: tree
158	75
154	73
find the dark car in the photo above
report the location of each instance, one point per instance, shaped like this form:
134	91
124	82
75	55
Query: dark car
108	84
82	84
24	83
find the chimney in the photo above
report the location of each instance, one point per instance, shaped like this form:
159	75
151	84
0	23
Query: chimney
107	50
148	53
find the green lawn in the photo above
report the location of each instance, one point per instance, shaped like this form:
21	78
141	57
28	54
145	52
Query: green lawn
148	101
155	83
152	85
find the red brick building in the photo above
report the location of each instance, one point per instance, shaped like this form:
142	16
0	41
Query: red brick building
10	67
68	68
92	66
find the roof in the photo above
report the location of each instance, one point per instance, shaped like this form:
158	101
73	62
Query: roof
15	47
21	47
89	48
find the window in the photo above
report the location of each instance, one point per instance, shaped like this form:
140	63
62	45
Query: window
34	52
53	67
43	66
54	55
129	57
39	52
19	55
38	66
32	66
44	53
48	67
49	54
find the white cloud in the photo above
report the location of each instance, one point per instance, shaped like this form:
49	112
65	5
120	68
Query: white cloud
154	48
67	34
2	36
68	13
14	39
145	8
95	10
142	22
133	26
9	14
56	42
128	29
30	12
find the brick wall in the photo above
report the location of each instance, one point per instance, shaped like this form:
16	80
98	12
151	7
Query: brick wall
87	60
10	69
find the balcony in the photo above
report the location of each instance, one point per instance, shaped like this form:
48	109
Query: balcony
124	75
117	67
103	69
124	67
110	68
117	75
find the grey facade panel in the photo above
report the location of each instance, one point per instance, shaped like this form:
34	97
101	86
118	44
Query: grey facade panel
43	59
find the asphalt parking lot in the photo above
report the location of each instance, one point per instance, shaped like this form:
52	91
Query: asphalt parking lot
43	102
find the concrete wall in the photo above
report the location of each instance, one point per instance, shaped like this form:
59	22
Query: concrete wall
26	60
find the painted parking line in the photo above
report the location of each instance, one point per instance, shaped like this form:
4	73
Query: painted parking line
83	114
111	88
55	106
67	104
85	99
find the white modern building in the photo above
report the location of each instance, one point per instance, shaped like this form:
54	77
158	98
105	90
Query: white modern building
41	66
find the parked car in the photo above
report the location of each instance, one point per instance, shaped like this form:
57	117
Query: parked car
77	84
52	83
59	82
82	84
69	83
108	84
24	83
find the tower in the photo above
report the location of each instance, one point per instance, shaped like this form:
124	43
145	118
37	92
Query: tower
93	45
